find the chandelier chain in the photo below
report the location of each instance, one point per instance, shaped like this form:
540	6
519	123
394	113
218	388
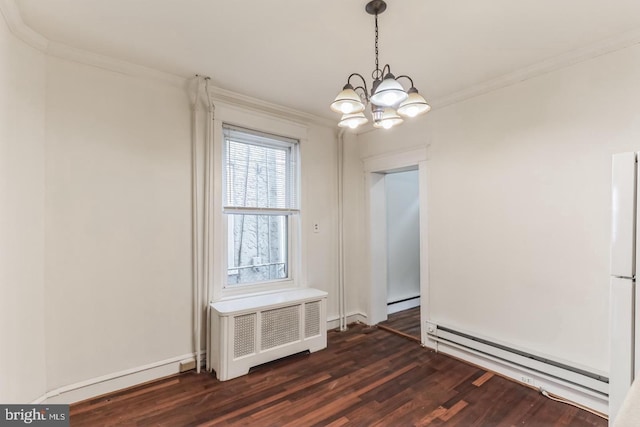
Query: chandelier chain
376	72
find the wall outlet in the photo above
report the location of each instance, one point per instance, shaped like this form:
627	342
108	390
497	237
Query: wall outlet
316	227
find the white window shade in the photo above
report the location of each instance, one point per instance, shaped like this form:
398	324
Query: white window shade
261	172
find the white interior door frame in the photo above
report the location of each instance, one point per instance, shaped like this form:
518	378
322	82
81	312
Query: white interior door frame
375	168
377	238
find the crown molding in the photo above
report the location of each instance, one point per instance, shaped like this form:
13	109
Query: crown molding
64	51
12	16
564	60
248	102
22	31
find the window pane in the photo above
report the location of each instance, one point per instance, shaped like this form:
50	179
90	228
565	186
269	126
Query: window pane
258	247
260	174
257	176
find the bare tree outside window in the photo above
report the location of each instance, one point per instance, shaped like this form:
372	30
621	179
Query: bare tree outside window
260	196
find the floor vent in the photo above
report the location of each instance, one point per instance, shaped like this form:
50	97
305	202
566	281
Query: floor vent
250	331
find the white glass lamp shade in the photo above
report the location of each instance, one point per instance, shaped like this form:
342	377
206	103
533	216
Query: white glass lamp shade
389	92
389	119
414	105
352	121
347	101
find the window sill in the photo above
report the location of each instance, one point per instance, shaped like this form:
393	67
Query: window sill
266	300
243	291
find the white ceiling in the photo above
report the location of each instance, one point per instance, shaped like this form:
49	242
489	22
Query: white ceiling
298	53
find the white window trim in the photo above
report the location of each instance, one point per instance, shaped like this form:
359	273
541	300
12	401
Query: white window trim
271	285
296	251
258	138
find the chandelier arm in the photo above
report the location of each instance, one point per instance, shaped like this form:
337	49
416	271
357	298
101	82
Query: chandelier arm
364	83
406	77
364	93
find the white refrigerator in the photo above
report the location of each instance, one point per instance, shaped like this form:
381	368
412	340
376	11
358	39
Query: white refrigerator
624	299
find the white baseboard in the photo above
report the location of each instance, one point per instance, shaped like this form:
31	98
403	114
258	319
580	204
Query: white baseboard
333	322
131	377
39	400
113	382
403	305
555	386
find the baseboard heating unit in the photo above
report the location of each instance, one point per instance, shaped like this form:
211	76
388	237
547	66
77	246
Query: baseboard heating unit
593	384
250	331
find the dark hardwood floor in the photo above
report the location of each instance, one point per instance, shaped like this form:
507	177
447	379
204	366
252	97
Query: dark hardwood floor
406	322
366	377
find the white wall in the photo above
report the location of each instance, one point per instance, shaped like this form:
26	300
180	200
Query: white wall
320	197
22	150
403	235
356	292
96	231
118	222
519	196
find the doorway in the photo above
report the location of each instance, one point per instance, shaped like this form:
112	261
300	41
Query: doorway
402	201
382	269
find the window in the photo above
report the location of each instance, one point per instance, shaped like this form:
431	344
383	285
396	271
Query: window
260	204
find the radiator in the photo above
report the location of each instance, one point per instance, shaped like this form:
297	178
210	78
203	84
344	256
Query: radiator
246	332
545	366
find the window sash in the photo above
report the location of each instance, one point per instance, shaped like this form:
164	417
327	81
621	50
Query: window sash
258	211
268	258
249	160
284	154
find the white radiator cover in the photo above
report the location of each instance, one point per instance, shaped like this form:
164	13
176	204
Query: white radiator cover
246	332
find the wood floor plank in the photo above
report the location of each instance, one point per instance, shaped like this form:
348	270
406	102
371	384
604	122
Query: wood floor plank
405	323
339	422
483	379
453	411
366	377
436	413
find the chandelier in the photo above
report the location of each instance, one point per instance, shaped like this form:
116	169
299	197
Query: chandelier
389	101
